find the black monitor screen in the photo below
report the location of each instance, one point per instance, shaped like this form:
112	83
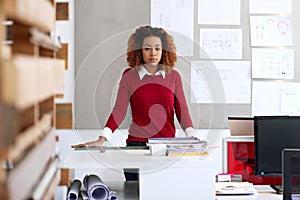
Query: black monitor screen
271	135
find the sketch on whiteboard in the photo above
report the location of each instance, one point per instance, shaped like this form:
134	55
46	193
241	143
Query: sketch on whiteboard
275	98
270	6
215	82
270	31
221	43
272	63
219	12
178	18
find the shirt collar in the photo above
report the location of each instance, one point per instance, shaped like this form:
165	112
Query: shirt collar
143	72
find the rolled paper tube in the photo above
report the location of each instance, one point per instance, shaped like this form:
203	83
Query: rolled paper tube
95	187
74	190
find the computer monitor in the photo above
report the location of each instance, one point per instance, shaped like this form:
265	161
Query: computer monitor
289	156
271	135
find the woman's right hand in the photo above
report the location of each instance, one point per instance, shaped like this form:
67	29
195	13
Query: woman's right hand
98	142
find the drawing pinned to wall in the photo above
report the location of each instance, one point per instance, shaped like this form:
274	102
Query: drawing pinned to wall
221	43
219	12
271	31
290	100
275	98
270	6
216	82
177	16
273	63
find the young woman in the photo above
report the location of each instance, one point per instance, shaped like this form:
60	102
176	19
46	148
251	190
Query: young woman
152	88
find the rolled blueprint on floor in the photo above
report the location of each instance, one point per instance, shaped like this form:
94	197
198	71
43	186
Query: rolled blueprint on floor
74	190
113	195
96	189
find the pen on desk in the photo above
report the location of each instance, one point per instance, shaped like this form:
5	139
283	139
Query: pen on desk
213	147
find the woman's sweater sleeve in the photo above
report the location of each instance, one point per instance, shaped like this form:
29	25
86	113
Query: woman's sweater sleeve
120	108
181	108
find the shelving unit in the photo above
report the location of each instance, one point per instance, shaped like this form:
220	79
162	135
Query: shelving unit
30	75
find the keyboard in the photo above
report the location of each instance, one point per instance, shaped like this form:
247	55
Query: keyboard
279	189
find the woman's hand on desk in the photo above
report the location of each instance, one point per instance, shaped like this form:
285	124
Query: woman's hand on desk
98	142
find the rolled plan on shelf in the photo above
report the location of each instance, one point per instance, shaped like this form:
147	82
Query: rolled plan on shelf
95	188
74	190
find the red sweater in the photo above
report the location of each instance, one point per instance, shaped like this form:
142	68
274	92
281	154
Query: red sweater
153	101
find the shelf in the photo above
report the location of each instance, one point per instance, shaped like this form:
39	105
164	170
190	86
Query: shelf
26	80
48	182
40	14
5	52
30	76
64	116
24	177
26	139
18	122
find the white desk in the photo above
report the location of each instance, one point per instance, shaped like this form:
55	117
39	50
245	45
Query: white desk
160	174
163	174
161	177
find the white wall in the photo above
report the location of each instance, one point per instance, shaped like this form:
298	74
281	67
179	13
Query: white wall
102	30
65	29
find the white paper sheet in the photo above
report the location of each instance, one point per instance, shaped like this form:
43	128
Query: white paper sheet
177	17
74	190
216	82
271	31
221	43
234	188
270	6
273	63
275	98
219	12
290	99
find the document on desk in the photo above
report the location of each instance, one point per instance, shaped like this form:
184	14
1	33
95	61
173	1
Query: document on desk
223	188
295	196
264	189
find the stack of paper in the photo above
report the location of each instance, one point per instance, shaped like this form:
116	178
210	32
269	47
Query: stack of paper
178	146
235	188
199	149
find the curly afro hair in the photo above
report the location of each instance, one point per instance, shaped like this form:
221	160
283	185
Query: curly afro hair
134	50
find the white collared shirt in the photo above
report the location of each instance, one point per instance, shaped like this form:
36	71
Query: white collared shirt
143	72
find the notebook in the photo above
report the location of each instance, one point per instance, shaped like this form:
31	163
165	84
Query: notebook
241	126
